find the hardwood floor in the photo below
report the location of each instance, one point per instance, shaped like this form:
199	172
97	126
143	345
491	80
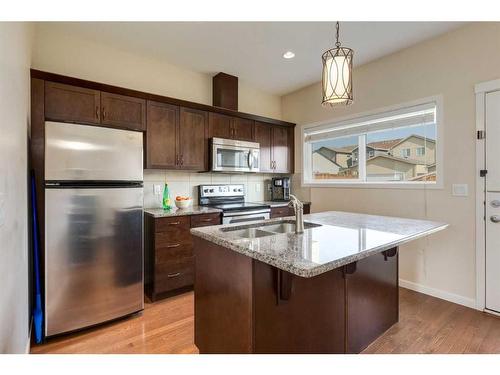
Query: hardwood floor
165	326
426	325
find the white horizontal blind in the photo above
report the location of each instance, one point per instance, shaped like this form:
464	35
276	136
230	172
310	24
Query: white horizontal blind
423	114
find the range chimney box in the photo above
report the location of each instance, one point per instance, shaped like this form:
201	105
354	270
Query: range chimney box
225	91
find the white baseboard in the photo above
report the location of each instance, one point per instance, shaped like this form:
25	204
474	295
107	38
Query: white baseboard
451	297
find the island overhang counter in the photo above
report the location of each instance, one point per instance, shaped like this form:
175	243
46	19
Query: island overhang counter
331	289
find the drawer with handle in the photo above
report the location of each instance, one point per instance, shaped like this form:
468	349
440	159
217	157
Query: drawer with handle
173	275
205	220
173	251
281	211
173	237
172	224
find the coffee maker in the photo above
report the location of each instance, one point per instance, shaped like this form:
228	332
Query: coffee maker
280	189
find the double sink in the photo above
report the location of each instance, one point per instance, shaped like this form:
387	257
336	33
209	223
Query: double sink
267	229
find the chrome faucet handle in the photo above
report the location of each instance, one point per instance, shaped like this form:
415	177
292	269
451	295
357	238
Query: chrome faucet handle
295	201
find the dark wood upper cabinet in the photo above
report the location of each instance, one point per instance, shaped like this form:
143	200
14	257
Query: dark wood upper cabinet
123	111
243	129
263	137
72	103
276	145
193	139
280	147
161	135
220	126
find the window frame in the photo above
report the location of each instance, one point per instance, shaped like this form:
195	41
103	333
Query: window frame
340	123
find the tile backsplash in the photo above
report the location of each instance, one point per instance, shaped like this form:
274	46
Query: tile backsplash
186	183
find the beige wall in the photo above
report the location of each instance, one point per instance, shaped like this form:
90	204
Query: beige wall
15	51
449	65
68	54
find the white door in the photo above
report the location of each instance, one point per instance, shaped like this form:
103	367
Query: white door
492	201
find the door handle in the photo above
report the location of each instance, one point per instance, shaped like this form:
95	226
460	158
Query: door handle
173	245
495	218
495	203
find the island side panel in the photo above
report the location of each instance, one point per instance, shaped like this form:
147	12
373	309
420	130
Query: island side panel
308	318
223	299
372	297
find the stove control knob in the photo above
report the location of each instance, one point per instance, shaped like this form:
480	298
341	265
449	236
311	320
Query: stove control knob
211	190
240	190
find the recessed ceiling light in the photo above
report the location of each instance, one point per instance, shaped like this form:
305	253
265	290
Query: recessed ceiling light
288	55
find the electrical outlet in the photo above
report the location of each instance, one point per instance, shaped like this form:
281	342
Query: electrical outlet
157	189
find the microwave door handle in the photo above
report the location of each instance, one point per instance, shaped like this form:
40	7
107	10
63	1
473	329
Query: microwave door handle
250	159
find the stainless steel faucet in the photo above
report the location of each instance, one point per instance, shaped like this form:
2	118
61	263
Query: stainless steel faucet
298	207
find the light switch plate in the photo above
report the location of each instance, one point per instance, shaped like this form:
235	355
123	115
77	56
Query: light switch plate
460	190
157	189
257	188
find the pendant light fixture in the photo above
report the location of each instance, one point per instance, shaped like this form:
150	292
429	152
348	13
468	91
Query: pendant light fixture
337	74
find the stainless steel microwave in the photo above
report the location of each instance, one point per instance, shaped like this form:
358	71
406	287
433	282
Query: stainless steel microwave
229	155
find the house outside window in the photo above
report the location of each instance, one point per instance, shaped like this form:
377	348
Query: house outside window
395	147
421	151
405	153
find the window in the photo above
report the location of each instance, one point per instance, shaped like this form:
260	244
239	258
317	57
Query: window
405	153
391	147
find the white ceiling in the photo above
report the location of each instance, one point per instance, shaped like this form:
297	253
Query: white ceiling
253	50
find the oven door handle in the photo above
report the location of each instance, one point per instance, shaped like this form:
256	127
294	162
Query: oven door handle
246	213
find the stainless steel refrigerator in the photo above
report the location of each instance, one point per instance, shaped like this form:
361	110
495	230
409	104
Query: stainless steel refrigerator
93	225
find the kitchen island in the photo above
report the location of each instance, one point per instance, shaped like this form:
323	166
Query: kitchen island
262	288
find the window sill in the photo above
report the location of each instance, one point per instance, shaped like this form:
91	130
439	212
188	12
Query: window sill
375	185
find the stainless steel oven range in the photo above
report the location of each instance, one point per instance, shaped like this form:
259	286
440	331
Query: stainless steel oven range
231	200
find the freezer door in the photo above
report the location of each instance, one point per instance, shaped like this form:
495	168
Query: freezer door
82	152
93	256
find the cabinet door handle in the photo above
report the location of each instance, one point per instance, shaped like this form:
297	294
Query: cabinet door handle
103	113
206	220
174	274
174	245
174	223
97	112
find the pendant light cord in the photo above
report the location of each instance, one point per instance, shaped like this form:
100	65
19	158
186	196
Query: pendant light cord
337	44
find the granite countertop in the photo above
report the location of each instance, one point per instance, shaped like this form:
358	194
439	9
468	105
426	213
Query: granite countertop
193	210
341	239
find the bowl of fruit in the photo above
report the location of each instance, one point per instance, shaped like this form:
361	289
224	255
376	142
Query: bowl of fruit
182	201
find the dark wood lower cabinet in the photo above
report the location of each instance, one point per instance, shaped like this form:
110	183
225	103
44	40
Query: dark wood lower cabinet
372	299
246	306
284	211
306	316
168	252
